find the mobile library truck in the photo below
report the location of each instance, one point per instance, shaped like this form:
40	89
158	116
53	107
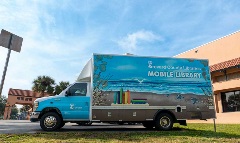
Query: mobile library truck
154	91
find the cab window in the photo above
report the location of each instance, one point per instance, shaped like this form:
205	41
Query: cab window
78	89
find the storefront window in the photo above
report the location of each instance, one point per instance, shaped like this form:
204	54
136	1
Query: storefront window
231	101
237	98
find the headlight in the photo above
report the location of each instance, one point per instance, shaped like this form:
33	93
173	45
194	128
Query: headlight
35	105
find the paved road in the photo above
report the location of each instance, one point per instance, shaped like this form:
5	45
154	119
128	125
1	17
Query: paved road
25	126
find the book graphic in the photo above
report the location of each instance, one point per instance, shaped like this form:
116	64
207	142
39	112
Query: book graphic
124	98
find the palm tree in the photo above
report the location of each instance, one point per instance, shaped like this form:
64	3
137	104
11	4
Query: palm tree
25	108
60	87
3	101
43	84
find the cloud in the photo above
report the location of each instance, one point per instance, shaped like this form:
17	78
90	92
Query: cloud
131	42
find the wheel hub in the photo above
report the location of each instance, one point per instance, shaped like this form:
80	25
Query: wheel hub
165	122
50	121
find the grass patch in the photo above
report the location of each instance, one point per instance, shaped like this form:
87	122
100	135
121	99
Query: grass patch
191	133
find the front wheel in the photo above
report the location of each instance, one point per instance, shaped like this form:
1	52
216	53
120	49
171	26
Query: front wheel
51	121
164	122
62	124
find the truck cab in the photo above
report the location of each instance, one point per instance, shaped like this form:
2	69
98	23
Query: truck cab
71	105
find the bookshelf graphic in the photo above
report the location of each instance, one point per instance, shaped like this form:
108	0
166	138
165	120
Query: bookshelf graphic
124	98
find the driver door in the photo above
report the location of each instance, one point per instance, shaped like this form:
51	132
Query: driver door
77	104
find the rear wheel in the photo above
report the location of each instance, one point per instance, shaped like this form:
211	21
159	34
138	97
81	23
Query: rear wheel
148	125
164	121
51	121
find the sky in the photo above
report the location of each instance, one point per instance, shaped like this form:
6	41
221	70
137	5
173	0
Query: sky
60	36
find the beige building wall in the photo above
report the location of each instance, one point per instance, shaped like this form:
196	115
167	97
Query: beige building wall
12	100
218	51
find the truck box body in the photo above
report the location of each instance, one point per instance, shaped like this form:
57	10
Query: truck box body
132	88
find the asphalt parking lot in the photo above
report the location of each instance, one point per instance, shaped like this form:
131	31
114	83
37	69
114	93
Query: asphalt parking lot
25	126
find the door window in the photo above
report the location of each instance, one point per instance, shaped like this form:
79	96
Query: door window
78	89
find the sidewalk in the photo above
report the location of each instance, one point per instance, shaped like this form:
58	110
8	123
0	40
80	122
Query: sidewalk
222	118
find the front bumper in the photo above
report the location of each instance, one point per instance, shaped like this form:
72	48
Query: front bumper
34	116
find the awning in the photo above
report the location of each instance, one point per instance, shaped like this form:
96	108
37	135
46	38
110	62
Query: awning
225	65
26	93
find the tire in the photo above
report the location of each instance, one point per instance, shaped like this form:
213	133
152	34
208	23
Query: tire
164	122
148	125
51	121
62	124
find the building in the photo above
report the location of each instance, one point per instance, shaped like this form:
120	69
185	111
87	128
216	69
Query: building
224	61
23	97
